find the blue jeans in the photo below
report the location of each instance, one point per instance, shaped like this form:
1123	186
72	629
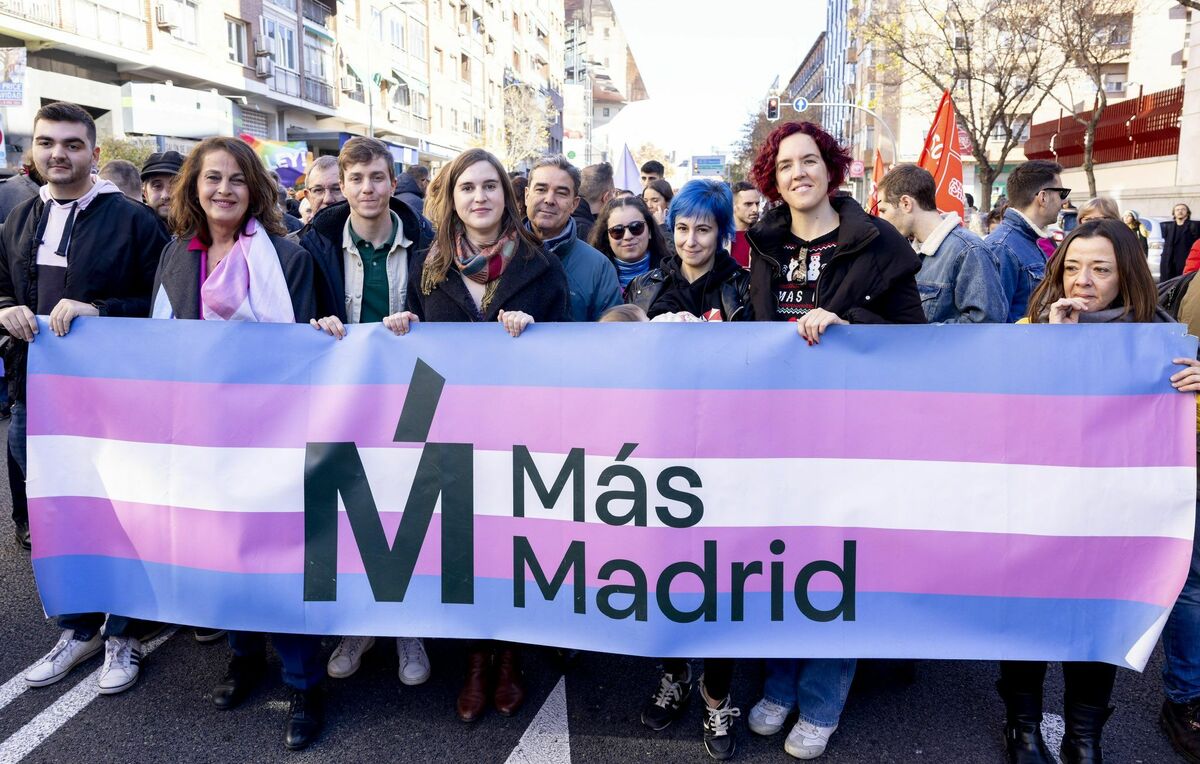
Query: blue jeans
303	666
1181	635
817	688
16	437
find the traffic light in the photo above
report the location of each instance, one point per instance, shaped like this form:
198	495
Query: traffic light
773	108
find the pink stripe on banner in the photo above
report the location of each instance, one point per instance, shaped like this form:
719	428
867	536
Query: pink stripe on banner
1072	431
921	562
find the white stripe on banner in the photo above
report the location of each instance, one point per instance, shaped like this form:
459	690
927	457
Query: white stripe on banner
948	496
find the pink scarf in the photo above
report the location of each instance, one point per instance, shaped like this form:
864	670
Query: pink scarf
248	284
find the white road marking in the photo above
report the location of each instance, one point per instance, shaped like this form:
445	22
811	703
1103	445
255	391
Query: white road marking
547	740
12	689
45	724
1053	728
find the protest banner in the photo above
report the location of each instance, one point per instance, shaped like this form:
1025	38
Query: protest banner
975	492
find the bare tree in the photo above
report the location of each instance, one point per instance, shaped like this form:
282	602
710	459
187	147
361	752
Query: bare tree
754	132
648	151
1094	36
527	119
986	52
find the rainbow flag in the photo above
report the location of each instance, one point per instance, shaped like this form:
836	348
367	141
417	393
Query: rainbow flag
974	492
288	158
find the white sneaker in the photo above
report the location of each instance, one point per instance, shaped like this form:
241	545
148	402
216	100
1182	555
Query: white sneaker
122	660
414	661
767	718
347	658
66	655
807	741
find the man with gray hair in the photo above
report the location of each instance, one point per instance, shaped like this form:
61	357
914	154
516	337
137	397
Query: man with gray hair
550	199
322	184
124	175
596	187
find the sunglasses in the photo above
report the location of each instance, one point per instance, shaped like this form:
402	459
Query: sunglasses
637	228
1063	193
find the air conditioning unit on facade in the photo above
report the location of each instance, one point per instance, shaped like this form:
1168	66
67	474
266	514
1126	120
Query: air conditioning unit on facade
163	18
262	46
264	67
349	84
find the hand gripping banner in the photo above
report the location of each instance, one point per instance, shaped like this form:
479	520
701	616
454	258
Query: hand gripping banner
981	492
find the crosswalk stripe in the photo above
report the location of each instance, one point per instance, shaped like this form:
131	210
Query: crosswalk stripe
547	740
61	711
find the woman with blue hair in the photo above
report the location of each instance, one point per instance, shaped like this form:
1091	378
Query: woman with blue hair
701	278
703	281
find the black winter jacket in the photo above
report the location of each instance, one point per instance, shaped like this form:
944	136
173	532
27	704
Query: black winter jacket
732	295
533	282
322	237
178	277
870	280
1177	243
114	251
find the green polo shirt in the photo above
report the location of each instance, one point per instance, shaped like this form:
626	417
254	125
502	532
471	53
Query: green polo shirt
375	278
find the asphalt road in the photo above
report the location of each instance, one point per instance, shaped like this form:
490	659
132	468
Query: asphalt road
948	712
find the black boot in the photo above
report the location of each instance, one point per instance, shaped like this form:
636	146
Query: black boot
1081	743
1182	723
1023	741
306	717
242	676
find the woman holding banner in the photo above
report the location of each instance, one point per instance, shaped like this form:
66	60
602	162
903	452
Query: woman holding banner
230	262
1098	276
819	259
483	266
704	281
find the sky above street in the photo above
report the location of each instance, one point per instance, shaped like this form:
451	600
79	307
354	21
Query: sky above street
707	64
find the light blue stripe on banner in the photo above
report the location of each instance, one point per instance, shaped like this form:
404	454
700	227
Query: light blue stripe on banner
1049	360
886	625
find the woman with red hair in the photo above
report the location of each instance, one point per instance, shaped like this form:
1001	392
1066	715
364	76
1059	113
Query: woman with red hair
818	259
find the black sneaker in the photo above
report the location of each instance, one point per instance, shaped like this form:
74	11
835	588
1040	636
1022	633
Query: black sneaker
1182	724
668	701
719	740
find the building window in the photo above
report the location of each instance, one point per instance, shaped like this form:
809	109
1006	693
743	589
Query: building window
416	33
454	119
235	32
318	57
282	42
288	4
183	16
441	116
465	68
439	60
607	111
397	37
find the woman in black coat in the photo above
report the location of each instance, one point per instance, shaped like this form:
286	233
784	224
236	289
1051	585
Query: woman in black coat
483	266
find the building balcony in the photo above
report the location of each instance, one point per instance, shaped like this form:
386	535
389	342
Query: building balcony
318	92
285	82
118	23
318	13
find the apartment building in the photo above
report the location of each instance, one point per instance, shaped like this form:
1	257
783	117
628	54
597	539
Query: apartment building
425	76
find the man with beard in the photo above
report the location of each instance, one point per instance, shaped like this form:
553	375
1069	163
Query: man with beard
94	253
746	201
158	173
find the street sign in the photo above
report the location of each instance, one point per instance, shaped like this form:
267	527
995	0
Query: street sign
709	165
857	168
800	104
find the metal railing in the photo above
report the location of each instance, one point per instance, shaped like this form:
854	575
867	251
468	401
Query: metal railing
318	92
317	12
286	82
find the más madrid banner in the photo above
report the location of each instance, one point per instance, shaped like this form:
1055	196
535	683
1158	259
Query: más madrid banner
1019	492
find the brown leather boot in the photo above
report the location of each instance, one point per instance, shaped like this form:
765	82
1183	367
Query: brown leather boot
510	689
472	699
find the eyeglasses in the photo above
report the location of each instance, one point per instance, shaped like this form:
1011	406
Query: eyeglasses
637	228
322	190
1063	193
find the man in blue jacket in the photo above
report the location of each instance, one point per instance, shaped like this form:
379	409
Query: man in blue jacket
1035	196
959	280
552	195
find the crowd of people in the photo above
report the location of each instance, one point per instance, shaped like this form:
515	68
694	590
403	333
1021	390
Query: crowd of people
207	237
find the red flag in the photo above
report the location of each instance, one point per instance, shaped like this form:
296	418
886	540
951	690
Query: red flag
877	174
942	158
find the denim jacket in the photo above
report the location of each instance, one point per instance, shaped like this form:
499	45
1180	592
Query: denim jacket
959	280
1022	262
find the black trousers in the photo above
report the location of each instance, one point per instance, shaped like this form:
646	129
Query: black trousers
718	674
16	485
1088	684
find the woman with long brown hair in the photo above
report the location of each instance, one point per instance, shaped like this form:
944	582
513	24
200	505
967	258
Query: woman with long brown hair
230	262
483	266
1097	276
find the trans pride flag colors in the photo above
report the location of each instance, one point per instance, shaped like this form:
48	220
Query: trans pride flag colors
1021	492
